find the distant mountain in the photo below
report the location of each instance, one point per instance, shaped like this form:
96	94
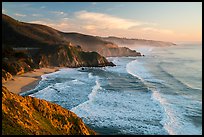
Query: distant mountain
136	42
32	116
20	34
95	43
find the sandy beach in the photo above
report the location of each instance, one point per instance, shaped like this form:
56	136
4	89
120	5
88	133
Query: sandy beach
27	81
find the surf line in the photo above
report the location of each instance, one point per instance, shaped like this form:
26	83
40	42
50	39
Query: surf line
91	96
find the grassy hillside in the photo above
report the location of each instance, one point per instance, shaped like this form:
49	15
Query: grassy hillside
32	116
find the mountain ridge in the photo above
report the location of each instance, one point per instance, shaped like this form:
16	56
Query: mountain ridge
136	42
36	35
28	46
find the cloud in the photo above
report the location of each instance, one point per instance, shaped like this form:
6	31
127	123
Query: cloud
101	24
59	25
164	31
39	22
65	18
149	29
104	21
3	11
36	15
90	27
20	15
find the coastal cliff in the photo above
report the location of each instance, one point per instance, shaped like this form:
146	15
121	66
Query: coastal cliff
32	116
69	56
29	46
17	63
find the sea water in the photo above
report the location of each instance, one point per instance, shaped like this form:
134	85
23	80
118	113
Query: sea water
158	94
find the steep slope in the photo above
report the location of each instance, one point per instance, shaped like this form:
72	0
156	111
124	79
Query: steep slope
20	34
68	56
136	42
16	63
32	116
94	43
28	46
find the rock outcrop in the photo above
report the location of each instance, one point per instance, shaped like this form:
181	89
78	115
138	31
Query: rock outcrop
15	63
32	116
120	52
6	76
68	56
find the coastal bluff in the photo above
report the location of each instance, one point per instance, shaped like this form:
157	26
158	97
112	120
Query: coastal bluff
29	46
32	116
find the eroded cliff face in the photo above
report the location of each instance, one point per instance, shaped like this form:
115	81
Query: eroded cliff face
32	116
119	52
6	76
68	56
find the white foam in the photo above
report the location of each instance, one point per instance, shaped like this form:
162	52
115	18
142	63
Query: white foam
168	117
129	112
91	96
47	93
95	90
136	69
46	76
175	121
77	82
173	118
124	110
90	75
146	50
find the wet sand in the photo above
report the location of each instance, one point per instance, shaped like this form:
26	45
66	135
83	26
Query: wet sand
28	80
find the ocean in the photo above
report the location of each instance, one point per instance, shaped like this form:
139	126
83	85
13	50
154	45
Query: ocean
156	94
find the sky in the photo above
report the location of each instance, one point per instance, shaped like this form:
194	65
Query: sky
164	21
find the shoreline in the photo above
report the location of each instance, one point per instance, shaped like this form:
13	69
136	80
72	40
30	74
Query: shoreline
27	81
30	86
